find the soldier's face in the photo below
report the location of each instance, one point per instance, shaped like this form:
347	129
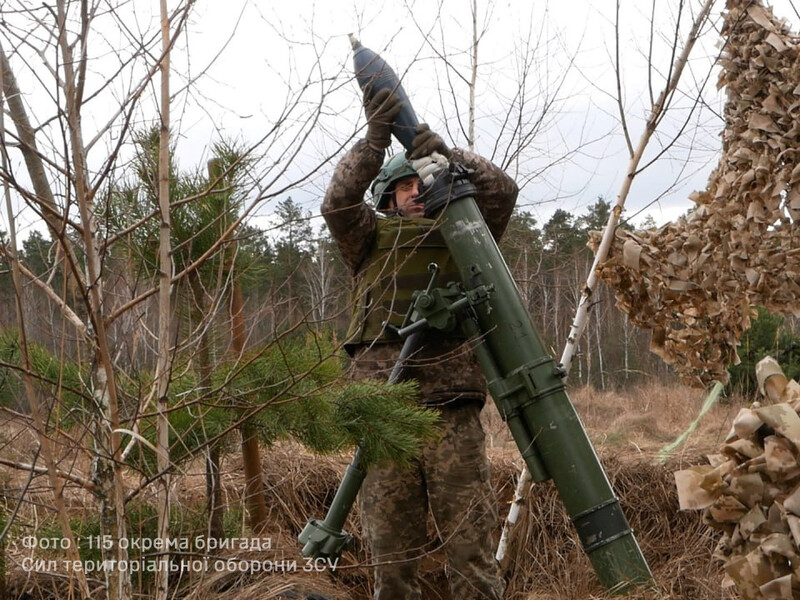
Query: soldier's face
406	191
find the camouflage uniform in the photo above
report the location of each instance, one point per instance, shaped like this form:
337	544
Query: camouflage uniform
452	475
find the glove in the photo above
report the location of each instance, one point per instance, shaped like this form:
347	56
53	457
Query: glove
428	167
427	142
381	110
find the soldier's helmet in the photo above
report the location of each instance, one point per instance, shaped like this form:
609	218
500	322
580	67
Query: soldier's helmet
395	168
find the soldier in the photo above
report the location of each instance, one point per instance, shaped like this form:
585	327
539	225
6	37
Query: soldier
388	254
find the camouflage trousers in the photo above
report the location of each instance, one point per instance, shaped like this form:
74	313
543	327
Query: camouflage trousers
452	479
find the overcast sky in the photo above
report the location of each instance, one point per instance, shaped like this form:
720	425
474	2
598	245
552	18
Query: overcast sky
242	62
572	68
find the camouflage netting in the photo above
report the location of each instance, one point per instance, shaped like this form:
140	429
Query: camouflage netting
694	282
751	493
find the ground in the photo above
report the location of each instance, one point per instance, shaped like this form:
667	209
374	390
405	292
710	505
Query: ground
628	430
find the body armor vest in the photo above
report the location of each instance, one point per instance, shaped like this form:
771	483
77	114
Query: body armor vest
396	267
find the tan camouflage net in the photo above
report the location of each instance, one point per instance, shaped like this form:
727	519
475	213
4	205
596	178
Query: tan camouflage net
693	282
751	493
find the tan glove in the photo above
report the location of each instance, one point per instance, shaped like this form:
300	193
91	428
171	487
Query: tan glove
381	110
427	142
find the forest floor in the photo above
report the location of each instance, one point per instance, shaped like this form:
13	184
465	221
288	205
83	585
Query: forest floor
627	429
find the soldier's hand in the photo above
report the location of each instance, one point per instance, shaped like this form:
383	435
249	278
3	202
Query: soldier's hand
381	110
426	142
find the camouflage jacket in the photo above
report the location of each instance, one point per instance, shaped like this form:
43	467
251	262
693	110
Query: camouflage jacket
445	369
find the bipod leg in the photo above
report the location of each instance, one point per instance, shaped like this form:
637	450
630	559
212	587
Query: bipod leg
325	539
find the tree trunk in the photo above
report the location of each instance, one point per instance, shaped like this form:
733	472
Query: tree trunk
214	506
255	499
164	318
473	76
626	339
599	339
34	165
107	466
216	510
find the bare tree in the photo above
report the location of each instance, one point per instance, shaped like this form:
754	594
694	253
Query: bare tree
512	100
71	130
319	277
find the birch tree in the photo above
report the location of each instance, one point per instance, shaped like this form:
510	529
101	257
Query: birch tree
659	107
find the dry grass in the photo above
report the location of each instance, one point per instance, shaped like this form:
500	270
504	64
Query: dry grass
551	564
549	561
639	421
628	431
647	418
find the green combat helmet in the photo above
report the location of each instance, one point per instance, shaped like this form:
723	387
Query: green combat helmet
395	168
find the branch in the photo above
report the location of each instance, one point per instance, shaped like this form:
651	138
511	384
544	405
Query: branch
49	291
33	161
84	483
618	73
